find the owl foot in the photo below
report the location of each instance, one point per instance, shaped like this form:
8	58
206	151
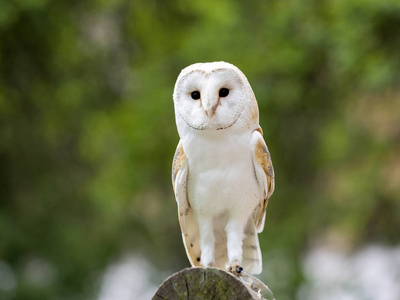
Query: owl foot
235	270
257	290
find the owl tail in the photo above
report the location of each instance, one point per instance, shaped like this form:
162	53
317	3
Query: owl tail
252	261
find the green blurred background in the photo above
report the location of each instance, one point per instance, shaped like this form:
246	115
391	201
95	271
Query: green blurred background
87	132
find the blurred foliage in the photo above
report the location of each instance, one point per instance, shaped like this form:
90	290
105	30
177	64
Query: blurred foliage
87	130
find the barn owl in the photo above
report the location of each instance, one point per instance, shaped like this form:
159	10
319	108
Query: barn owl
222	172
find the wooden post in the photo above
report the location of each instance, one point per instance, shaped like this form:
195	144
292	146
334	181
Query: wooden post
204	283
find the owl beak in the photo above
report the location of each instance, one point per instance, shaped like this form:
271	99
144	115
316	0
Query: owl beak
210	112
209	109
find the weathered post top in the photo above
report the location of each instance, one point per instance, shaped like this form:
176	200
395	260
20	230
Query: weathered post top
204	283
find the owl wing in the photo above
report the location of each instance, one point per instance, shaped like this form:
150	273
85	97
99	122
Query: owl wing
187	222
265	175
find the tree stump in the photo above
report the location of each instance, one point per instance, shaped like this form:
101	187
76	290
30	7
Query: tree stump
204	283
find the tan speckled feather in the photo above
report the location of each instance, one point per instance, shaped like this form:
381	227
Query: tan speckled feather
187	222
262	158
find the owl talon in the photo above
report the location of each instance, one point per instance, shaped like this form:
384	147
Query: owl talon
254	288
235	270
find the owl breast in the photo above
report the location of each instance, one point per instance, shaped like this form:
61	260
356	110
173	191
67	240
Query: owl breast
221	174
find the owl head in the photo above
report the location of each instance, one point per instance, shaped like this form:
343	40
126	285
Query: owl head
214	96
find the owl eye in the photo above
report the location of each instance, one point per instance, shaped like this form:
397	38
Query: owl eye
195	95
223	92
